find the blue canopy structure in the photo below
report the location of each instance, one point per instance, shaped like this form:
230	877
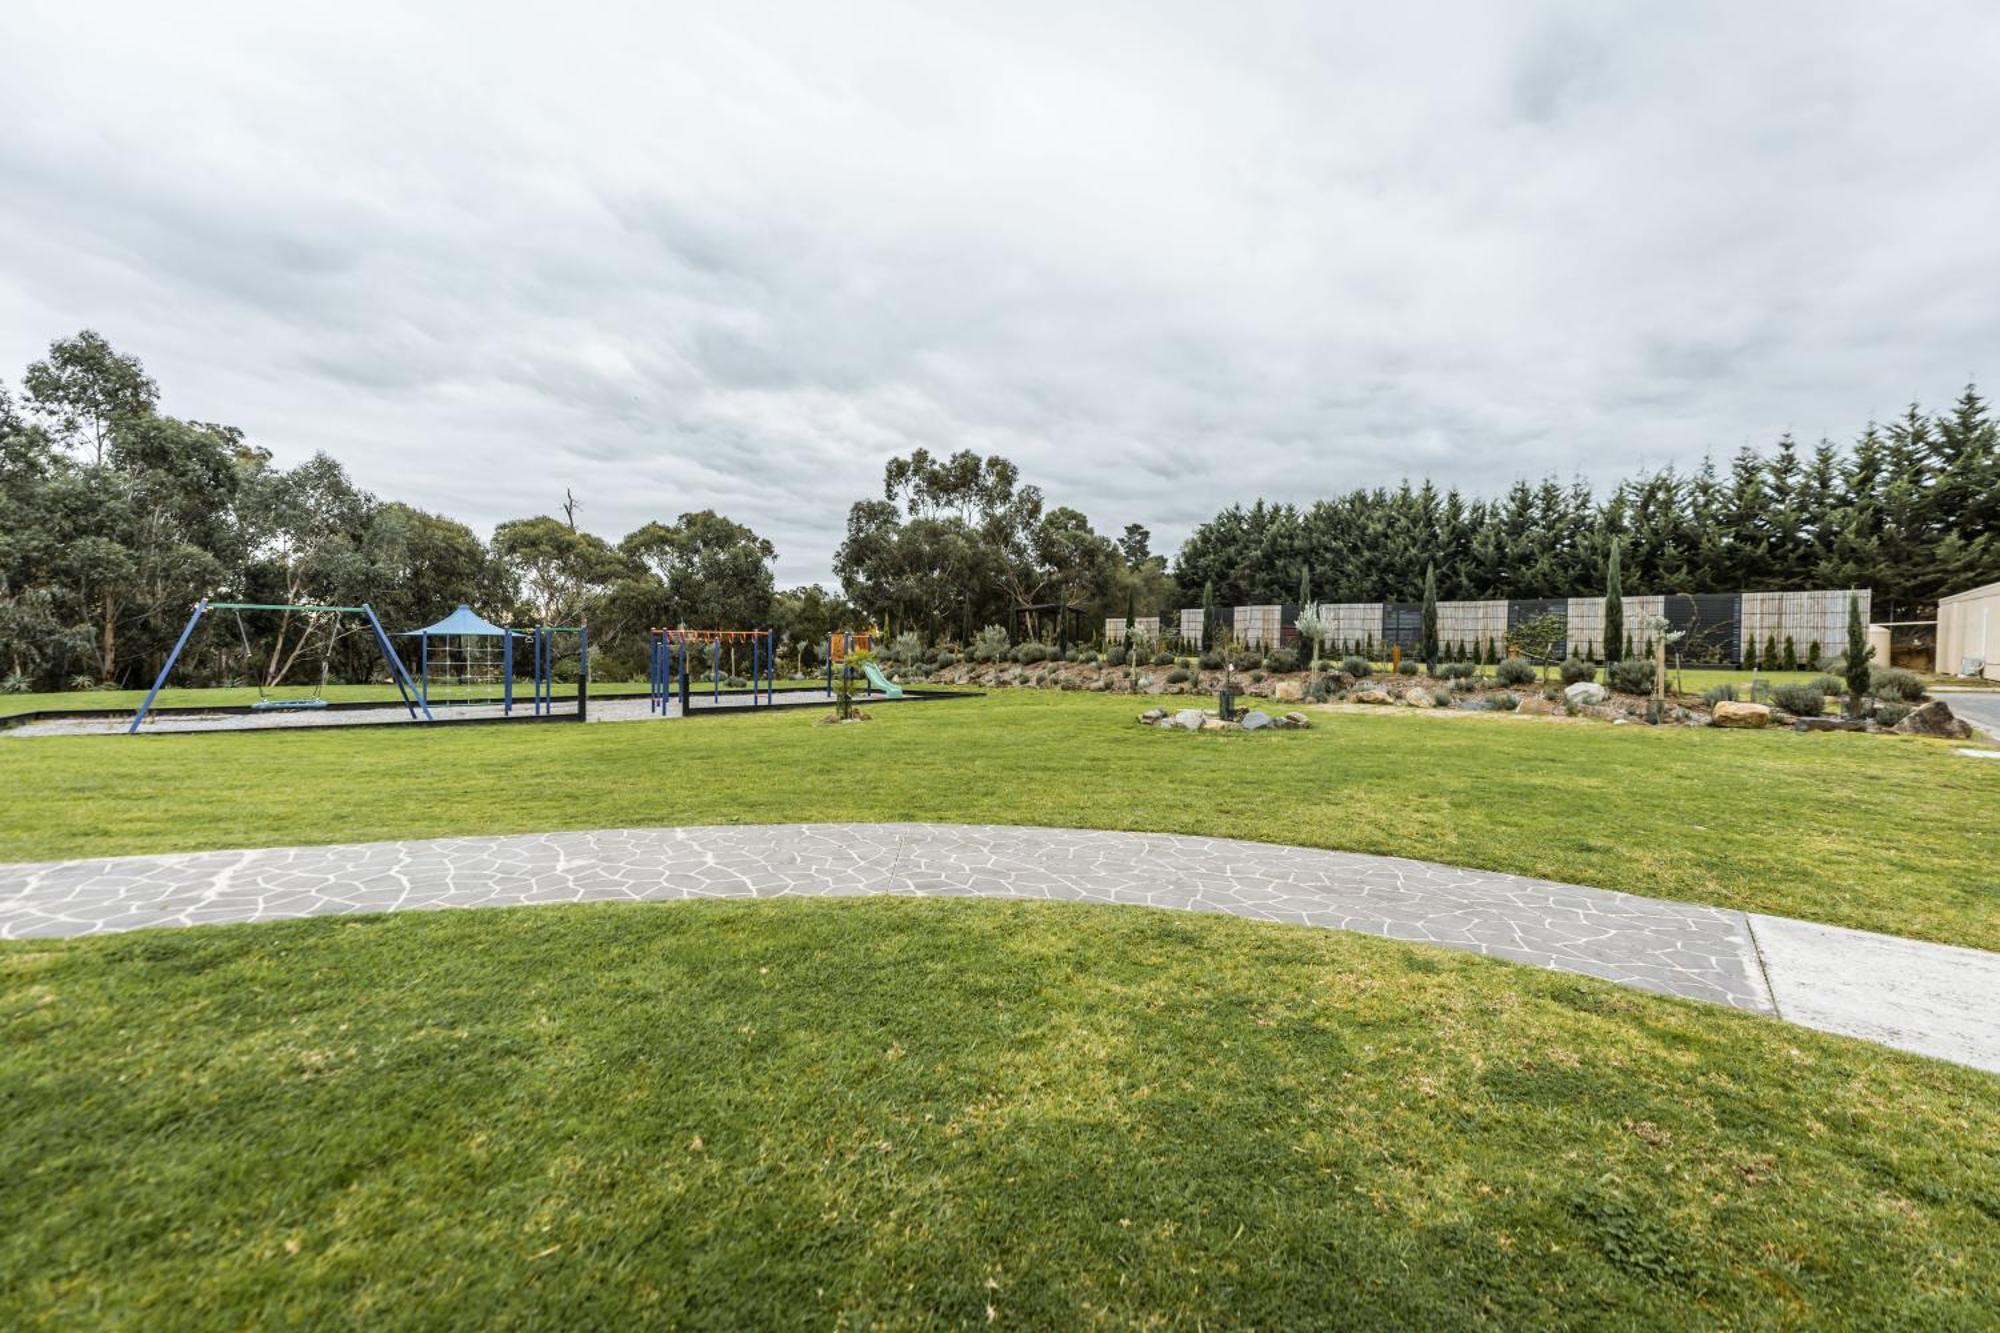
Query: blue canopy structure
462	621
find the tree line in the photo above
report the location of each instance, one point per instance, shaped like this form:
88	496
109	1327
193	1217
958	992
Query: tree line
116	518
1910	510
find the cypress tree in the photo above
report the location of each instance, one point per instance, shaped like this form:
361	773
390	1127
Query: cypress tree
1858	653
1208	615
1430	619
1614	605
1750	655
1770	652
1791	654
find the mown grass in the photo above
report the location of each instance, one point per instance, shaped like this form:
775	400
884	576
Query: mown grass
928	1113
1884	833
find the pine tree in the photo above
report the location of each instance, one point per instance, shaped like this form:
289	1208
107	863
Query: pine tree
1791	654
1858	652
1614	601
1209	616
1749	654
1770	652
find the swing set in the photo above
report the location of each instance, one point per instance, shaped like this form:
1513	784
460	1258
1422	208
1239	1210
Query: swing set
268	697
462	663
669	652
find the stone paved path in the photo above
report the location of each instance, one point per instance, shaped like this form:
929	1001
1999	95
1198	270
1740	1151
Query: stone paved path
1682	949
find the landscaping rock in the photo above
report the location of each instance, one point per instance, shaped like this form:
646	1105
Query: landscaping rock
1288	691
1534	705
1256	720
1298	720
1934	719
1742	716
1419	698
1831	724
1371	696
1586	692
1190	719
1152	715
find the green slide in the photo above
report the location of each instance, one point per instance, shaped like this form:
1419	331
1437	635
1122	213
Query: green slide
881	682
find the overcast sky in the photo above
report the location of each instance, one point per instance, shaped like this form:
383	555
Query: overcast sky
1163	256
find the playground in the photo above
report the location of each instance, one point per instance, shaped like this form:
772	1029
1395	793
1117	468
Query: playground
462	669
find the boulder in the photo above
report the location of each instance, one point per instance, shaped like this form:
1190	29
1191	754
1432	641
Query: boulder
1534	705
1585	693
1831	724
1419	697
1371	696
1934	719
1256	720
1288	691
1299	720
1743	716
1152	715
1190	719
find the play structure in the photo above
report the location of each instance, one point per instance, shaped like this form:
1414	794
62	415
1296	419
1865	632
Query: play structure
466	660
847	643
671	668
464	666
267	696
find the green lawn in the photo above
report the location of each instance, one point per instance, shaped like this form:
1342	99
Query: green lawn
1885	833
929	1113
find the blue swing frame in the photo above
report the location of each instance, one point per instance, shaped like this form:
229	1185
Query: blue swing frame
397	675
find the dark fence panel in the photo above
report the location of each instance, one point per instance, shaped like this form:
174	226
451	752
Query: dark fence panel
1711	626
1522	610
1403	624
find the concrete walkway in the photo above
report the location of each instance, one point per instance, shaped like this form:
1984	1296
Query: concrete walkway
1932	999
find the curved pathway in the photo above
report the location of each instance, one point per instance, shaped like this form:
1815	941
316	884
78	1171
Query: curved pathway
1923	997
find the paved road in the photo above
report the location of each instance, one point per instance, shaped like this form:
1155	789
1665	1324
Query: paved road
1979	707
1920	997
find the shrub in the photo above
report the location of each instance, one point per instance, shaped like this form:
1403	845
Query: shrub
1890	714
1504	702
1799	700
1281	660
1356	667
1514	671
1116	657
1456	670
1406	668
1826	684
1575	669
82	682
1031	652
1442	698
1257	677
1211	661
1320	690
1791	655
1178	676
735	682
1247	661
1719	694
990	644
1894	683
15	683
1163	659
947	660
1630	675
1812	655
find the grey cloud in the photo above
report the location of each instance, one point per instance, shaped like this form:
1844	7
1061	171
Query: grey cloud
1165	257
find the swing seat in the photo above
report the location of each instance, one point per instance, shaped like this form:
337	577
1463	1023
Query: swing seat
271	705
